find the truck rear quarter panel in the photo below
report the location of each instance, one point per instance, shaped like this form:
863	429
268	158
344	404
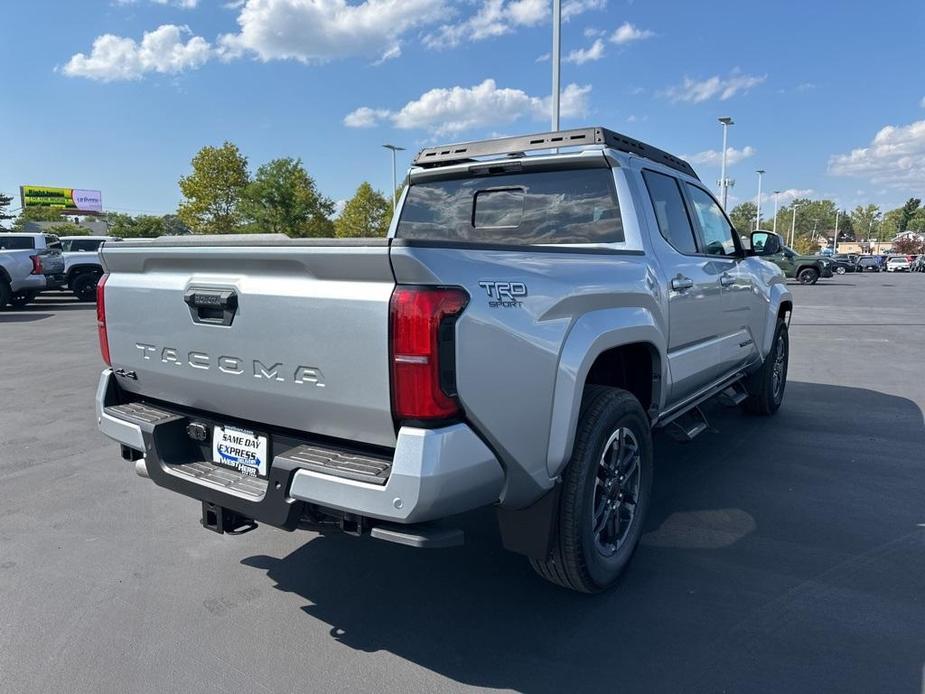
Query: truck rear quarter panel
512	354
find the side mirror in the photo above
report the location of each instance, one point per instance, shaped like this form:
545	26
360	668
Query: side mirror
765	243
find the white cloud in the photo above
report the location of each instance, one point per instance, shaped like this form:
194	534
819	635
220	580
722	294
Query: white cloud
458	109
183	4
365	117
316	31
573	8
545	58
785	197
163	50
895	157
580	56
694	91
499	17
712	157
627	33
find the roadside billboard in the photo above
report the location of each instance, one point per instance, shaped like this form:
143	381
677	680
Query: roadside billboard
68	199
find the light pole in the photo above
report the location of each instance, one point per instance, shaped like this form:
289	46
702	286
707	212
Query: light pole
760	173
776	193
793	225
835	240
394	148
556	59
723	182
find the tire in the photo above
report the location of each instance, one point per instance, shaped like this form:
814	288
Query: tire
21	299
84	286
808	275
840	270
582	559
766	386
5	294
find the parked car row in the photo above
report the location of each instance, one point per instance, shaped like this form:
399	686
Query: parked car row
877	263
31	263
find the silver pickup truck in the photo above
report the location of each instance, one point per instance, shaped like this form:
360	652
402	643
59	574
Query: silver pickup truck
27	262
531	318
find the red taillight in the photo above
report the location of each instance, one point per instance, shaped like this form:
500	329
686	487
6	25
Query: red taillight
36	265
418	317
101	318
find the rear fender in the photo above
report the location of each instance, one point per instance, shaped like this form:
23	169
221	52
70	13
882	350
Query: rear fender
593	334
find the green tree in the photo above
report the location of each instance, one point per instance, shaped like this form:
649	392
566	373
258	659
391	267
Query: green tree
174	226
37	214
863	219
907	212
5	201
212	192
742	217
367	213
140	227
284	199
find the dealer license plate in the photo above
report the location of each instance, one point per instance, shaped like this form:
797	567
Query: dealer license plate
240	450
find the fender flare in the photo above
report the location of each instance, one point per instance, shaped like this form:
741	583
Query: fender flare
591	335
779	295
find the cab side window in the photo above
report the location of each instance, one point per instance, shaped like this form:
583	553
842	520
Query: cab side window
717	232
668	203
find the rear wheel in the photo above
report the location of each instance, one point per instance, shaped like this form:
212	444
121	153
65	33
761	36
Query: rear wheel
84	286
840	270
605	493
20	299
808	275
766	386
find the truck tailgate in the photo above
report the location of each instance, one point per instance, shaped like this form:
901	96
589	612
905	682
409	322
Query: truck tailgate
260	328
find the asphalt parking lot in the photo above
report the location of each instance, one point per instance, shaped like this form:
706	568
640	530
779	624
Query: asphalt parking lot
783	554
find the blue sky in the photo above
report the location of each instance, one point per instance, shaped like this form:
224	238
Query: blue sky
118	95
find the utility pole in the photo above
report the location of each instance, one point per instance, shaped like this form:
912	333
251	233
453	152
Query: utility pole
394	149
556	60
793	225
760	172
723	181
776	193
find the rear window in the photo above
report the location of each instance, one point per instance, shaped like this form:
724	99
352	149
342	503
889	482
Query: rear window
77	245
548	207
16	243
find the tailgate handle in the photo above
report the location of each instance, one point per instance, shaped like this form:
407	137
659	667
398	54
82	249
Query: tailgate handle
212	306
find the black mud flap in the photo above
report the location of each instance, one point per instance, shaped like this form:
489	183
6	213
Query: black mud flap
531	530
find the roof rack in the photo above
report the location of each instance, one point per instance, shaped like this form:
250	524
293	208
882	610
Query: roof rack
454	154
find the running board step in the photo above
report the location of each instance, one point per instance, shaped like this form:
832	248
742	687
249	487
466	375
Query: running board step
137	413
688	426
352	466
733	395
420	536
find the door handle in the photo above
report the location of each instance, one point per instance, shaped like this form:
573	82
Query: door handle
727	280
680	283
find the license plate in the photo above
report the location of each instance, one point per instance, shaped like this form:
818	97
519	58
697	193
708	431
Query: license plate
241	450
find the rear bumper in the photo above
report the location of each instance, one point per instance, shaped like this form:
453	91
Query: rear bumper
433	473
56	281
29	283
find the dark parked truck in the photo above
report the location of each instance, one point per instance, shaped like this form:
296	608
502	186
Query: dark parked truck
806	269
529	321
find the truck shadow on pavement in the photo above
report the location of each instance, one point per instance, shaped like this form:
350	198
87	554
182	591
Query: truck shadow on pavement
22	317
777	551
